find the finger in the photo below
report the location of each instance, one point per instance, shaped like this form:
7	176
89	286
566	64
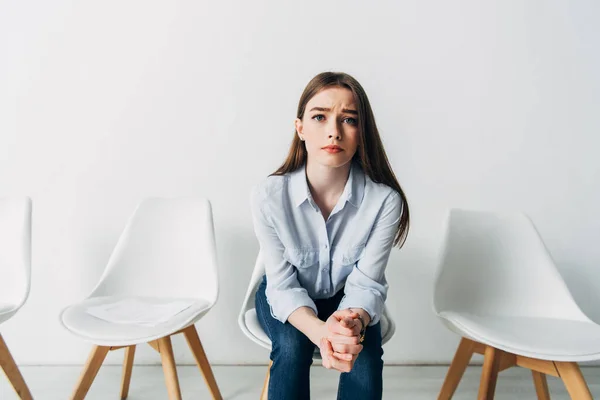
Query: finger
339	329
343	356
325	353
342	339
330	354
352	324
349	323
347	348
340	365
327	347
339	314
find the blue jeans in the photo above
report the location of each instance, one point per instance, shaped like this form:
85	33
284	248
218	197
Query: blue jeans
292	356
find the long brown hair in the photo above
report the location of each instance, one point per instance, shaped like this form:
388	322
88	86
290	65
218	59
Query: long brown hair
370	153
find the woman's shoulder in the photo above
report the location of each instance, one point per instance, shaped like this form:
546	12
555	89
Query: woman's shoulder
383	198
268	187
381	191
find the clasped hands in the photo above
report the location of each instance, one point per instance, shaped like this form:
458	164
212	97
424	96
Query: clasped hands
340	340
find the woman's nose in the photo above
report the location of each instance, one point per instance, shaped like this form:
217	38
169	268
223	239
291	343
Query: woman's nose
335	132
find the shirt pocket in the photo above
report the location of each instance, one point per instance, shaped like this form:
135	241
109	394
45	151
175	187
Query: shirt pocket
347	258
301	258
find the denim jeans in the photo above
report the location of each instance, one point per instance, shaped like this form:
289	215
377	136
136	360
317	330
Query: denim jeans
292	356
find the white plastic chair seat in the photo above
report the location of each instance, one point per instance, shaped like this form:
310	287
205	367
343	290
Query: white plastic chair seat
260	337
105	333
542	338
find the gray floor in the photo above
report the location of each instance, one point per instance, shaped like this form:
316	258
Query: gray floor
241	383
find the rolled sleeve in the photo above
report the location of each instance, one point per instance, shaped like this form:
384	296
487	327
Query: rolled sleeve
284	292
366	286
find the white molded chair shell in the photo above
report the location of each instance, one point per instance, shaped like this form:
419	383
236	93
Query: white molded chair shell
167	251
15	254
497	284
248	320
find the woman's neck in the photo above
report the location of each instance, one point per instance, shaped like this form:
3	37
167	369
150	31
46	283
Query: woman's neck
326	184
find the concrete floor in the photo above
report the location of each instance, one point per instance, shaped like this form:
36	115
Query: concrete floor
245	383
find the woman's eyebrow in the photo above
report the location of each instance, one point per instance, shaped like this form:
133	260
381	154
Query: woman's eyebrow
346	110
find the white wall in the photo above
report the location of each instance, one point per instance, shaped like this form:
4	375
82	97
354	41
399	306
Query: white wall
488	105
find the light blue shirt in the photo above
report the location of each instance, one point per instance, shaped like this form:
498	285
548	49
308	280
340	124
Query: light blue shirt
308	258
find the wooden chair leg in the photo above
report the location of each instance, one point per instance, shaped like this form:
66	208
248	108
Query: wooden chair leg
265	391
541	385
457	368
573	379
90	370
489	374
169	368
127	367
154	345
191	335
12	372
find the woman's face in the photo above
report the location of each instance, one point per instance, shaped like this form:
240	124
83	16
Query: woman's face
330	119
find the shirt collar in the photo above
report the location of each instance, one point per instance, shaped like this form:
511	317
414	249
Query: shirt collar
353	190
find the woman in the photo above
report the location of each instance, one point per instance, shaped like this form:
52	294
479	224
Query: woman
326	221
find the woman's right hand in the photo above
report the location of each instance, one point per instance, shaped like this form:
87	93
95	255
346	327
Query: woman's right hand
331	360
344	332
340	348
337	337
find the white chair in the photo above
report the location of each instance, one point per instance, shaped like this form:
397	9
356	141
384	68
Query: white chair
498	288
167	251
248	320
15	276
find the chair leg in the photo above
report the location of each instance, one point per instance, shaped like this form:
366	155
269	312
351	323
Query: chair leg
90	370
154	345
457	369
541	385
573	379
169	368
265	391
191	336
127	367
489	374
12	372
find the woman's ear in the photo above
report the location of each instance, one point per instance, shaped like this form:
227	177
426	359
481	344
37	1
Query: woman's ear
298	125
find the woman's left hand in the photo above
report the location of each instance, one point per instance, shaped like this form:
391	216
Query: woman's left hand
334	360
344	323
344	330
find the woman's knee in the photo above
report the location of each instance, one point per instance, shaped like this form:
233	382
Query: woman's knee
371	356
370	360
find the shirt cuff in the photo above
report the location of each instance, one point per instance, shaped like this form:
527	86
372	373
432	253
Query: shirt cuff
369	300
285	302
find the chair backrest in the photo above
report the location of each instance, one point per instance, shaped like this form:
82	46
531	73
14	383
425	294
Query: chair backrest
166	250
257	274
15	250
498	264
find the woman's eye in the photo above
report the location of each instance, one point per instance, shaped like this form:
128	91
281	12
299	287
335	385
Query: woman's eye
351	121
318	117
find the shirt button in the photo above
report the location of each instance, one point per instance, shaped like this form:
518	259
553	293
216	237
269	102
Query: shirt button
325	246
325	291
325	270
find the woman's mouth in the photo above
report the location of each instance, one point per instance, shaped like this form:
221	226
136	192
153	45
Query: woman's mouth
333	149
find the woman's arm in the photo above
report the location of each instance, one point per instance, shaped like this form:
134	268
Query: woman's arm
306	321
288	300
366	288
